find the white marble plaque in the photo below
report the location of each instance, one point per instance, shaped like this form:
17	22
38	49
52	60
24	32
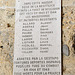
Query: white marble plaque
37	47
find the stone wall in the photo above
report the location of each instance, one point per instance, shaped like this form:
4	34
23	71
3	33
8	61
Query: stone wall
7	24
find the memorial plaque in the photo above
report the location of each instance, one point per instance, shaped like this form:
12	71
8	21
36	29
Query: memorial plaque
37	47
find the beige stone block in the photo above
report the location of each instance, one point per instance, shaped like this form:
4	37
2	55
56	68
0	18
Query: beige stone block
68	28
7	18
68	2
7	22
2	18
7	3
2	3
10	3
5	67
6	51
10	17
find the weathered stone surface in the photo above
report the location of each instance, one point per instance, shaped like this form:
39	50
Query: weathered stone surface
7	3
68	29
68	2
7	22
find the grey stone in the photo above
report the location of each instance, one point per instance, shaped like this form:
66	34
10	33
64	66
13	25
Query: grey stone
66	50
